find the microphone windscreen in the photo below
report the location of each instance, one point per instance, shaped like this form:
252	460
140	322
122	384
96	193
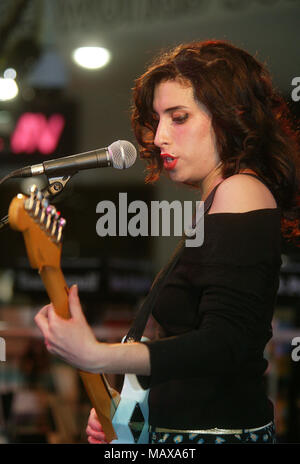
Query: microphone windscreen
123	154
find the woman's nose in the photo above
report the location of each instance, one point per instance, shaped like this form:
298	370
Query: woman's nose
162	136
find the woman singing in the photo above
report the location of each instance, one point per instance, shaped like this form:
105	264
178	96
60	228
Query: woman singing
207	115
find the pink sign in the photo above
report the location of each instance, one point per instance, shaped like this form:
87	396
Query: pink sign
34	132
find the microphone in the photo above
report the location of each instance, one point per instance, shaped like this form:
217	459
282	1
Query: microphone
120	155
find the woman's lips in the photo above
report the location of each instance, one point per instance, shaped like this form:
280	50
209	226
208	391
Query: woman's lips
169	161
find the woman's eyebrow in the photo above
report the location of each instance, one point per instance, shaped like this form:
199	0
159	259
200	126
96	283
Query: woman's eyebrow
172	108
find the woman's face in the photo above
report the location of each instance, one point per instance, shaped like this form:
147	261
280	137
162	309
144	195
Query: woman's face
184	133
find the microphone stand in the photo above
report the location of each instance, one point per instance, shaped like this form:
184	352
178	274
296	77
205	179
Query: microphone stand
55	187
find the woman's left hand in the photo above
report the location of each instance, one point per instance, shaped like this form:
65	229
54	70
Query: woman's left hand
71	339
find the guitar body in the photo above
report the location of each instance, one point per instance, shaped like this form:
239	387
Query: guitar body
130	420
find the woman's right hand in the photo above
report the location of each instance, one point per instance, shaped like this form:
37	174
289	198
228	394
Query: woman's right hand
94	429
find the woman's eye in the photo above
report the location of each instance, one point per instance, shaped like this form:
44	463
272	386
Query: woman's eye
180	119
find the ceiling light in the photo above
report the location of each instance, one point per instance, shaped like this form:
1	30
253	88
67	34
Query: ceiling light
10	73
8	89
91	57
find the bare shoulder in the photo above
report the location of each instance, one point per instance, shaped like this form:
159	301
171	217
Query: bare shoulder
240	193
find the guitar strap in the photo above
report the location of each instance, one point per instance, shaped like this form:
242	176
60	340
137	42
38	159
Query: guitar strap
136	331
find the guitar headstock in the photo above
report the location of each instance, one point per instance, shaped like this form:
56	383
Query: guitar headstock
41	226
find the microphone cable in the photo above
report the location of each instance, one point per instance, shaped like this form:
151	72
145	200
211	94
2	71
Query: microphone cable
4	220
8	176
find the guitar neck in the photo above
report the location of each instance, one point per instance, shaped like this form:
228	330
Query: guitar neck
95	385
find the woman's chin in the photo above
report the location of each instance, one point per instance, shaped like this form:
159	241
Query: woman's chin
175	176
180	178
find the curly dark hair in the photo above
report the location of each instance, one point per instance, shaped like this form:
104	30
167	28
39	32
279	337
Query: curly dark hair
253	125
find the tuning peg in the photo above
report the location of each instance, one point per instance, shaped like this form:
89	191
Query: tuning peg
61	224
33	190
44	205
30	201
38	199
50	212
55	222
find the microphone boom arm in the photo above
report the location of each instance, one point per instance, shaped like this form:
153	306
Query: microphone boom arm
56	185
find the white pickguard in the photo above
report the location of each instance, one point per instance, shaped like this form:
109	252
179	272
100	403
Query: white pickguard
133	403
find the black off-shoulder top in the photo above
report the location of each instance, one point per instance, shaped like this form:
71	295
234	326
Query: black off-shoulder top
215	310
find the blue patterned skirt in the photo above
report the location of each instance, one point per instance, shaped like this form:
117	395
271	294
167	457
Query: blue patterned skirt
262	435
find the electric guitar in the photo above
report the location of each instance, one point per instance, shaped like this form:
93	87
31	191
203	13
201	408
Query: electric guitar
124	418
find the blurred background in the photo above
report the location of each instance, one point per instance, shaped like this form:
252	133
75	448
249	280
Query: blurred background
55	102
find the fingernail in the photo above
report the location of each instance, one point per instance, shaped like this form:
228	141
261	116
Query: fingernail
75	287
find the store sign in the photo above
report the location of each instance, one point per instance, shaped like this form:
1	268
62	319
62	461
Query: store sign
35	133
